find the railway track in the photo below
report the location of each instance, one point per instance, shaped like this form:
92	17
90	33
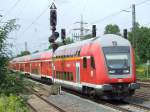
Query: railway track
147	109
128	107
34	109
120	106
144	84
142	95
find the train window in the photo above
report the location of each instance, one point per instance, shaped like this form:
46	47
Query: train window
71	78
65	76
92	62
84	62
68	75
79	53
61	75
58	75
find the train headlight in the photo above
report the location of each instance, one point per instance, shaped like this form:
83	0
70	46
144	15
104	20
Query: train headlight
125	71
111	71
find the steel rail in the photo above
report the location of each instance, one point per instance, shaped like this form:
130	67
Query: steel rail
45	100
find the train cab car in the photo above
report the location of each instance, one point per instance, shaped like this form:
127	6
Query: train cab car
115	68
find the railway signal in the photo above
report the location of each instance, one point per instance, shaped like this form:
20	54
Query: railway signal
53	17
125	33
53	37
63	35
94	31
54	46
53	23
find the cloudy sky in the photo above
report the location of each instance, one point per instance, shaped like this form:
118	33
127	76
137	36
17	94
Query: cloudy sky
33	17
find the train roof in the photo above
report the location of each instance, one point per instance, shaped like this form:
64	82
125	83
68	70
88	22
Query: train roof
104	40
37	56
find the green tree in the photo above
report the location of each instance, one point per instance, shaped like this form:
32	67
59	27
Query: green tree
112	29
4	47
142	42
36	51
23	53
5	52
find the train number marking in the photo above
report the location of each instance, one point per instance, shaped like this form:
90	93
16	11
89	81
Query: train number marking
114	43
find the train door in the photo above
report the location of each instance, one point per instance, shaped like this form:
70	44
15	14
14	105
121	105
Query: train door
92	70
77	72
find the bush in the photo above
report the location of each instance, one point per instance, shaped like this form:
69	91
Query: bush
12	84
12	103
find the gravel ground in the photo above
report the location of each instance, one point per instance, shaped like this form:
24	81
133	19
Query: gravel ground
72	103
40	105
139	100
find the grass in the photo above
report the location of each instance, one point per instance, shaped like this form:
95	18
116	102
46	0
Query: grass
141	72
12	103
10	90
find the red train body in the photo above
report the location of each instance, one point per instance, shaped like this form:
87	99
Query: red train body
103	65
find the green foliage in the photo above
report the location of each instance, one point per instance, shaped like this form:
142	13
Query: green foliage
87	37
8	83
69	40
12	84
142	42
23	53
4	50
12	103
4	32
36	51
112	29
141	71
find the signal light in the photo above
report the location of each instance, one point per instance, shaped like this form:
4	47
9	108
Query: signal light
53	28
63	34
54	36
125	33
53	17
51	39
54	46
94	31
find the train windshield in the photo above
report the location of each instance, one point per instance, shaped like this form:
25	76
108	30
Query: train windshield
117	59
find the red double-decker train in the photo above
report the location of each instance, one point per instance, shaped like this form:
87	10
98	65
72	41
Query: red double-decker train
104	66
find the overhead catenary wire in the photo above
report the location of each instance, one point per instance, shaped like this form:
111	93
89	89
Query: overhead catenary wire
97	21
117	13
36	19
10	9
